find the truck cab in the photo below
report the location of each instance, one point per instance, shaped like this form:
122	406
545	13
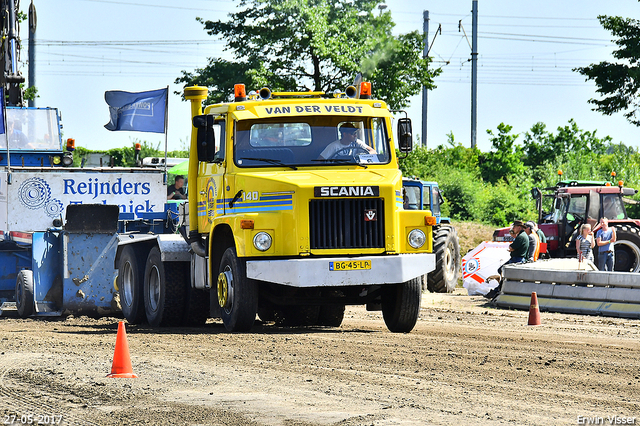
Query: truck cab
298	211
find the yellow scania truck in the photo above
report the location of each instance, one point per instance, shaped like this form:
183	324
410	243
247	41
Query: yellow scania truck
295	209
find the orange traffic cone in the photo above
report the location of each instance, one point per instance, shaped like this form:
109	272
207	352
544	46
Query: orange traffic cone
121	366
534	312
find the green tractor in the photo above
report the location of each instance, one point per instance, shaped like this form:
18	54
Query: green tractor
421	195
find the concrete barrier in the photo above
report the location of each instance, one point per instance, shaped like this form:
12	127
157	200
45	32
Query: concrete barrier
562	287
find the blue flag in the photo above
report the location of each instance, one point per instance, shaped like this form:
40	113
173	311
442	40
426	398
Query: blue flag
2	111
141	111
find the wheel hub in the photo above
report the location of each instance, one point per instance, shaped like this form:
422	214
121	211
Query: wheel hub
127	284
225	289
154	289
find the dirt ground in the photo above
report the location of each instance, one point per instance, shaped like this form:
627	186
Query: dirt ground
465	363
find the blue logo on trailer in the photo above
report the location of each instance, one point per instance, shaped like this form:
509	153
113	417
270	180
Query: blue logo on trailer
35	193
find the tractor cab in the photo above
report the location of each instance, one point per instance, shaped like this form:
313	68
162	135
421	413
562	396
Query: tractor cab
575	204
421	195
35	139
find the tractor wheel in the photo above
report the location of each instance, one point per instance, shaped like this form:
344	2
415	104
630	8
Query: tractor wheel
131	286
165	285
237	294
627	249
401	305
444	278
24	293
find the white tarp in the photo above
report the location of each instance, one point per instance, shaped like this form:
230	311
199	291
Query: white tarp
35	198
481	263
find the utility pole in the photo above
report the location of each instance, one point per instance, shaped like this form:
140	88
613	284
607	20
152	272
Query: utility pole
474	73
425	29
32	49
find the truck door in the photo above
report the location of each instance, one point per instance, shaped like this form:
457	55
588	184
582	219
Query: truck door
211	181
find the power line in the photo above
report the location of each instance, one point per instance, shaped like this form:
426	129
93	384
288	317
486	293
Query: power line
514	17
158	5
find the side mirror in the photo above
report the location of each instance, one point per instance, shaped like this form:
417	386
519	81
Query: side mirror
535	193
405	136
206	138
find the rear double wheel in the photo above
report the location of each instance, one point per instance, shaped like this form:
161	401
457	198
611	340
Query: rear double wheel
165	287
131	286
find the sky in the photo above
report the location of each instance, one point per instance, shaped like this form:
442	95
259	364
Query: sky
527	51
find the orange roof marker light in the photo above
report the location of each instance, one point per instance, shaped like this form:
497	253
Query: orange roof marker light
365	90
620	183
240	93
71	144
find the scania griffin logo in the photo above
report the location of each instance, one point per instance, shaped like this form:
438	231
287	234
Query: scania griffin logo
346	191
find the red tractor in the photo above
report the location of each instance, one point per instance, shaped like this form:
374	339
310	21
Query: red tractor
576	202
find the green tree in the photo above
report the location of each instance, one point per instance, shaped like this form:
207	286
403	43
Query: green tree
320	45
618	82
540	145
505	160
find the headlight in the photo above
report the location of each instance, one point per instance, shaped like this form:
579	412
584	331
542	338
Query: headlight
417	238
67	159
262	241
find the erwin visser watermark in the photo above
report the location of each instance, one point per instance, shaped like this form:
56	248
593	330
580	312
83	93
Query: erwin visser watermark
607	420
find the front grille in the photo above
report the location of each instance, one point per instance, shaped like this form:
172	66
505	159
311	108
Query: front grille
341	224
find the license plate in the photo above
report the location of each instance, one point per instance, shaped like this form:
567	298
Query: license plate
349	265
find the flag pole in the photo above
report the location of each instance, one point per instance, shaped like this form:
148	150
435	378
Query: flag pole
166	126
6	134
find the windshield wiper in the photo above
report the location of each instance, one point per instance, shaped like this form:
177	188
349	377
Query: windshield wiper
342	161
270	161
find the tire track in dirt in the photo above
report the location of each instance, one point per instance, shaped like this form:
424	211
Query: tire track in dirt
20	399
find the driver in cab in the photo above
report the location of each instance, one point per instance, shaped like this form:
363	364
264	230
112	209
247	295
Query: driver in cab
348	139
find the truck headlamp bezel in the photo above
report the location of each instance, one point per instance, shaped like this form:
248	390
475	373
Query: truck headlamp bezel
262	241
416	238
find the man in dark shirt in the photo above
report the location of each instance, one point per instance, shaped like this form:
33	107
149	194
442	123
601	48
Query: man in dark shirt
176	191
518	249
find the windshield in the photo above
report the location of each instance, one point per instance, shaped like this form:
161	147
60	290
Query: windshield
32	129
613	207
411	197
310	141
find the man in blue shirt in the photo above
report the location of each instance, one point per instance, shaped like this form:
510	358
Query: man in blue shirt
605	239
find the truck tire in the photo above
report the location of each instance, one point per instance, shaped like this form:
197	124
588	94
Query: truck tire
131	286
331	315
627	249
165	285
444	278
196	308
401	305
24	293
237	295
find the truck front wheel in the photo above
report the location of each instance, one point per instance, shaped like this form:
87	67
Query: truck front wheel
401	305
24	293
165	285
237	295
130	286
